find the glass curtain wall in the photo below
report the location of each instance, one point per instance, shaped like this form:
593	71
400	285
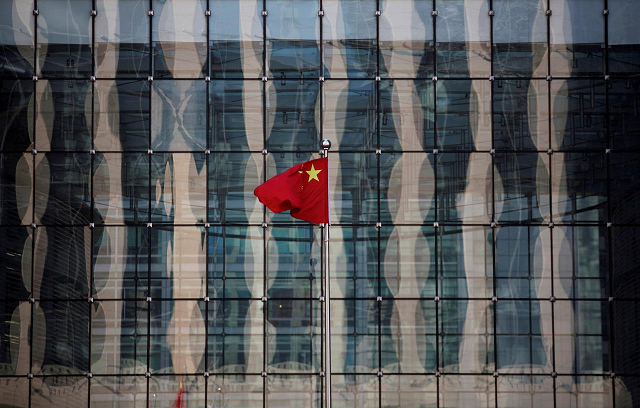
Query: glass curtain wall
484	183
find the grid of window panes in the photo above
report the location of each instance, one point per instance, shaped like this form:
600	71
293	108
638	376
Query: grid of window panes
484	178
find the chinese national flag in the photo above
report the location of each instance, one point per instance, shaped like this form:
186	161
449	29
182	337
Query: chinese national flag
303	189
178	403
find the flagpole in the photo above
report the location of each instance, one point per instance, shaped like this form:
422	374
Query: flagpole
326	145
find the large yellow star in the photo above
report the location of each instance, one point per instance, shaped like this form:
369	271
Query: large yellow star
313	174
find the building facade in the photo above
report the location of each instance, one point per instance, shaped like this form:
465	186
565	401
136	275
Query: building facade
485	171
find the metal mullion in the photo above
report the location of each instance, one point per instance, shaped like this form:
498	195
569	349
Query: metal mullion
91	194
609	145
264	209
207	203
91	188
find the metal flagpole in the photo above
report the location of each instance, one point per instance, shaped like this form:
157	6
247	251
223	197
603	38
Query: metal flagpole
326	145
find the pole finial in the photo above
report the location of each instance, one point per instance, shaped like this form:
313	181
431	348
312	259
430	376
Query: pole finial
326	144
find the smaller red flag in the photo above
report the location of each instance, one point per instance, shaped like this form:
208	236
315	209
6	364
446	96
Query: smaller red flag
178	403
303	189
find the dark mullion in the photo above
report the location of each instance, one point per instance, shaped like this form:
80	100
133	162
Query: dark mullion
324	263
609	144
493	206
264	209
150	169
208	136
33	188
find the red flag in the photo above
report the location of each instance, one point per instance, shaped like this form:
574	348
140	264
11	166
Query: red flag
303	189
178	403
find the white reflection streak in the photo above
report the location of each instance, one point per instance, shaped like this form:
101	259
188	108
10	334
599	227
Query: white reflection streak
408	170
248	20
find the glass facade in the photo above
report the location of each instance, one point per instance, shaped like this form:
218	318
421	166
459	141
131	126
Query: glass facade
485	233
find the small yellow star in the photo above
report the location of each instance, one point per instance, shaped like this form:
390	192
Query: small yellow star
313	174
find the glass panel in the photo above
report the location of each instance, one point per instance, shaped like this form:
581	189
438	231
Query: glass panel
16	104
577	38
235	35
60	391
178	262
293	262
406	115
406	39
236	262
63	120
291	111
356	390
16	189
579	115
523	264
520	38
411	329
407	188
291	391
64	39
61	338
121	115
525	336
179	192
463	32
521	187
179	115
580	262
62	259
16	390
354	262
464	115
407	262
355	342
579	187
520	114
293	34
625	257
349	38
179	39
582	337
235	336
15	263
293	336
122	38
349	118
525	391
232	179
241	391
624	46
466	337
121	188
124	392
625	326
625	184
236	115
63	188
354	196
120	262
408	391
465	261
15	325
464	186
467	391
584	391
16	39
119	339
624	120
177	337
